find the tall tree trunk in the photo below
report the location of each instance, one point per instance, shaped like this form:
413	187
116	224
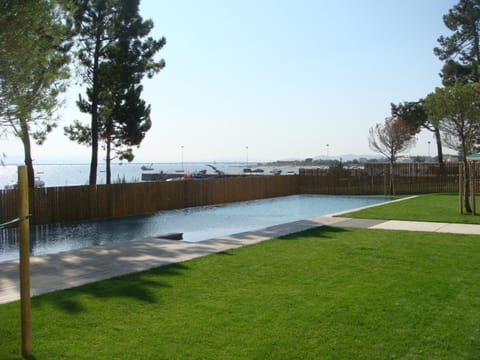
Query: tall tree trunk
94	123
27	150
438	139
108	161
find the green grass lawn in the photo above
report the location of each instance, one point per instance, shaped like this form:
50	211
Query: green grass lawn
429	207
327	293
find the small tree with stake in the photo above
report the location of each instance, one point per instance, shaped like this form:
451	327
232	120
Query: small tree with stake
457	111
390	139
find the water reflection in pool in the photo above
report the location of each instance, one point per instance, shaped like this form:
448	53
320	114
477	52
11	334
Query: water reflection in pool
197	224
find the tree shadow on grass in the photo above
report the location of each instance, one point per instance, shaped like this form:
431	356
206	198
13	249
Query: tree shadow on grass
142	286
224	253
321	232
151	263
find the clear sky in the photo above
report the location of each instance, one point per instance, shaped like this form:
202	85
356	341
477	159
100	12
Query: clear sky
283	77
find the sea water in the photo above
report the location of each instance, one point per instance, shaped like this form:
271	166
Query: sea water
78	174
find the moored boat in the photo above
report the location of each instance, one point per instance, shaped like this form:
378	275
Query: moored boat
147	167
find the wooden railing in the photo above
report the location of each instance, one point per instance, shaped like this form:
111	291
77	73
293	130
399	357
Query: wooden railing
77	203
413	178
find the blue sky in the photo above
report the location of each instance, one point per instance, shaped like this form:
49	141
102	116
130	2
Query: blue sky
284	78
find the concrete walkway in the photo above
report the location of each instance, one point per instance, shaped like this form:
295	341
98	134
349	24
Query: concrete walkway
77	267
467	229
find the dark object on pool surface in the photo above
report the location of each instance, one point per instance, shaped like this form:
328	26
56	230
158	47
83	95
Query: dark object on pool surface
171	236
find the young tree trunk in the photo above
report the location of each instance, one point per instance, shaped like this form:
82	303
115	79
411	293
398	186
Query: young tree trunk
391	184
27	150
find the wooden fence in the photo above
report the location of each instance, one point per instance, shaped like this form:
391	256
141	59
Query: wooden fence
77	203
414	178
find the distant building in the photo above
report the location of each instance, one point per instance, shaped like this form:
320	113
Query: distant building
450	158
404	160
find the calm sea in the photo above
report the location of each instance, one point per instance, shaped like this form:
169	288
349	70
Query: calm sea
77	174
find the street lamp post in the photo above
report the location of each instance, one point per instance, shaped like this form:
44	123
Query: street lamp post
246	148
328	148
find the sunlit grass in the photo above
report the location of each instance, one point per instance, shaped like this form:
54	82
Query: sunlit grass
328	293
429	207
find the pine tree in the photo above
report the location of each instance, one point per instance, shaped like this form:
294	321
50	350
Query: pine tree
413	112
461	50
33	67
116	54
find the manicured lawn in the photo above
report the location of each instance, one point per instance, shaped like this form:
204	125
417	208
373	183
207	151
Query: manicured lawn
429	207
328	293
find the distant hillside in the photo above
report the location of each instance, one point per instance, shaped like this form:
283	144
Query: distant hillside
347	157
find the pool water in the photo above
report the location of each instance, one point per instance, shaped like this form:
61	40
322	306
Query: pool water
197	224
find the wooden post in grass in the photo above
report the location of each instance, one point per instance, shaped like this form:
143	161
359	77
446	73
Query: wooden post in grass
472	187
24	230
460	187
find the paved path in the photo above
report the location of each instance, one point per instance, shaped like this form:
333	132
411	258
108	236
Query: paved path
467	229
77	267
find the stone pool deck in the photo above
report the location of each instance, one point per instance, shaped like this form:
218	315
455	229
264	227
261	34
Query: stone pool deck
77	267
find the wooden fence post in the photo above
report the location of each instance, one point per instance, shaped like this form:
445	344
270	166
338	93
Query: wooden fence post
472	187
460	188
24	228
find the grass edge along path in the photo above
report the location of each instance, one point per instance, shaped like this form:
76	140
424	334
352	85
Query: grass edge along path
324	293
425	207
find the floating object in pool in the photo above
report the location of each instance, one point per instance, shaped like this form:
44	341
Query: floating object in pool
171	236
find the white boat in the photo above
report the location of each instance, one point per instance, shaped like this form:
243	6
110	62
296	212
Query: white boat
147	167
39	183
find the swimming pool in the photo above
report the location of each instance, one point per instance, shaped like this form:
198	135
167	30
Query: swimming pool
197	224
